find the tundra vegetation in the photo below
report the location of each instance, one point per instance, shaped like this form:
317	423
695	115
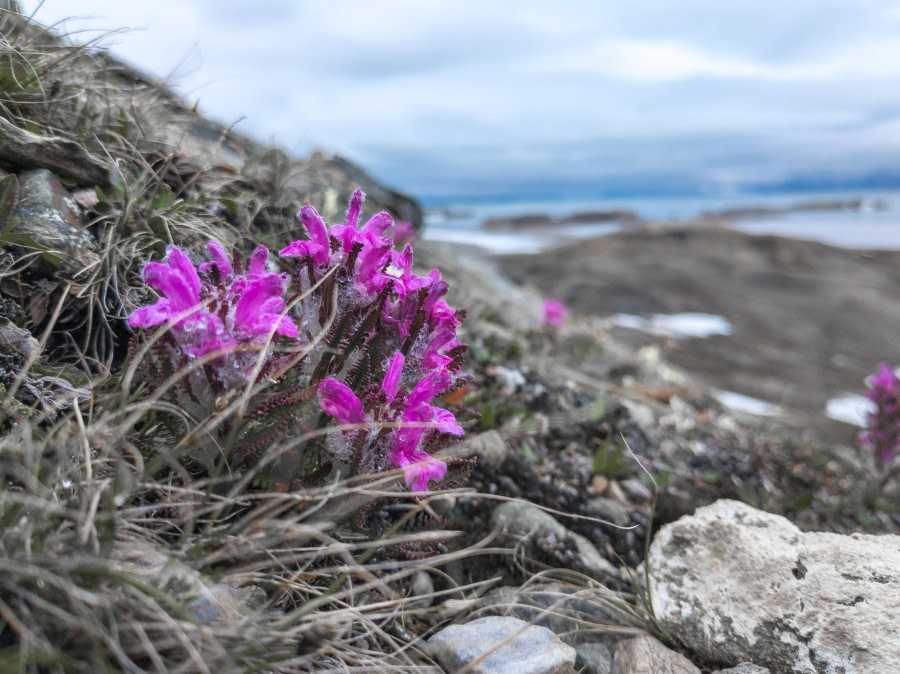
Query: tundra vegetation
214	458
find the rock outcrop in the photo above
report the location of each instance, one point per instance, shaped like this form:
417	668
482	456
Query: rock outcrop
735	584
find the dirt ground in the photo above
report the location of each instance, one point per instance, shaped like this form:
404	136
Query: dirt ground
810	321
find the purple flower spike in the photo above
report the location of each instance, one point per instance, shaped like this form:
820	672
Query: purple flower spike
882	438
391	383
339	401
259	310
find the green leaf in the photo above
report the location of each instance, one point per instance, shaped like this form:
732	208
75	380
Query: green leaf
598	407
662	478
608	459
528	452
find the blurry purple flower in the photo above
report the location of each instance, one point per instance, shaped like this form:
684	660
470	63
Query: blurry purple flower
882	437
404	233
554	313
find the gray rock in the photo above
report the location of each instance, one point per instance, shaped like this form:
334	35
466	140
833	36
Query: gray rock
637	490
735	584
490	447
609	510
519	520
17	341
593	658
501	645
744	668
47	220
207	602
421	589
28	150
645	655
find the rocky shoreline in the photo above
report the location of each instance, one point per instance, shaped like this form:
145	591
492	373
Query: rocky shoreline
810	321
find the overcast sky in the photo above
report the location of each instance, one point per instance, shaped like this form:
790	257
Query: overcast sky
463	97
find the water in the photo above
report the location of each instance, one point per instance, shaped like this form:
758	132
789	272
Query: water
865	228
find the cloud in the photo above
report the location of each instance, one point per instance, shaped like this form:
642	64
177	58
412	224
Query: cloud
469	94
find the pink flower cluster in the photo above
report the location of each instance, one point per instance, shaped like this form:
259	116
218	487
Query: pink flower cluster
882	437
553	312
380	341
410	411
224	309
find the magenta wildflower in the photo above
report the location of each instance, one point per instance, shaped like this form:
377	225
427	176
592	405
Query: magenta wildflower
882	437
318	246
554	313
235	310
379	343
177	280
407	282
404	233
419	468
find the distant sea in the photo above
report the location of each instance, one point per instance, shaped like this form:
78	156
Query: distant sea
867	227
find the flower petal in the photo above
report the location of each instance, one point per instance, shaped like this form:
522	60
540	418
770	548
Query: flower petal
340	402
391	383
171	283
378	224
436	381
314	224
220	259
180	262
260	300
356	202
422	468
300	249
144	317
257	266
